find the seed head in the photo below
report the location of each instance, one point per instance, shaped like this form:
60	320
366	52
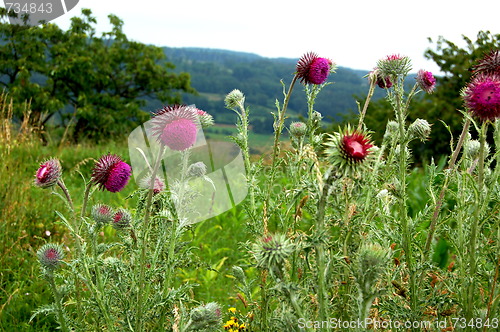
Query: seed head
121	219
311	69
482	96
50	256
426	80
176	126
111	173
48	174
102	214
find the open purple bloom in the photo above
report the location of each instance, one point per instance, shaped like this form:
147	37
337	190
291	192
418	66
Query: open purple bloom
482	97
111	173
312	69
176	126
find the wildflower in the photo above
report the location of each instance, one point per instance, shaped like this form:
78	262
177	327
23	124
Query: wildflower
121	219
472	147
298	129
348	149
50	256
102	214
158	184
205	119
176	126
426	80
420	129
370	264
48	174
482	96
272	251
391	130
489	64
394	65
235	99
111	173
205	317
312	69
381	81
232	310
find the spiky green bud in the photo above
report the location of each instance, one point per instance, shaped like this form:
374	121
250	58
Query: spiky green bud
235	99
420	129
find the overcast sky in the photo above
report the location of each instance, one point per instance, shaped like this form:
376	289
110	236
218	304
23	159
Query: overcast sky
353	33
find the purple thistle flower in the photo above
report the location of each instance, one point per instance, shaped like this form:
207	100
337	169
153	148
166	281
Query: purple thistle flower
48	174
312	69
111	173
176	126
489	64
426	80
50	256
482	97
158	184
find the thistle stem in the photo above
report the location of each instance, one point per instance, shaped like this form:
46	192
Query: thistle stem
367	102
469	312
57	298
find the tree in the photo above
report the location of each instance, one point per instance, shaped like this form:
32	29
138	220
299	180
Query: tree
456	63
102	81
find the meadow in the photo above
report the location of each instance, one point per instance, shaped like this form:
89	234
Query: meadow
336	232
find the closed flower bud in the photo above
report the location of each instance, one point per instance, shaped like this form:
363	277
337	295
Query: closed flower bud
102	214
158	185
472	147
391	130
197	169
121	219
420	129
206	120
205	318
271	251
239	274
369	265
235	99
298	129
50	256
48	174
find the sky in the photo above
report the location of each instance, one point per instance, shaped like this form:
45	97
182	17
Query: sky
352	33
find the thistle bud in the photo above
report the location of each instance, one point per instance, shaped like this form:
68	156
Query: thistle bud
205	318
239	274
420	129
48	174
206	120
271	252
234	99
50	256
197	169
121	219
102	214
298	129
472	147
391	130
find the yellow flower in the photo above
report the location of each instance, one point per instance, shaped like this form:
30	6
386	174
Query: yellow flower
232	310
242	326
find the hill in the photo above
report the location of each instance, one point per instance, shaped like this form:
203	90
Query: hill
215	72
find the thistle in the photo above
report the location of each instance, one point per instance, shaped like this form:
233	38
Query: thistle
48	174
121	219
426	80
489	64
102	214
271	252
394	65
482	97
298	129
311	69
158	185
205	119
205	318
111	173
50	256
420	129
235	99
348	150
176	126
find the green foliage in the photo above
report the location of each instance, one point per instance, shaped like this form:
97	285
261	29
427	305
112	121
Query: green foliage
101	82
456	64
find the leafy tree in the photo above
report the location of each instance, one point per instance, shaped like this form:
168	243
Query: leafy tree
456	63
101	81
